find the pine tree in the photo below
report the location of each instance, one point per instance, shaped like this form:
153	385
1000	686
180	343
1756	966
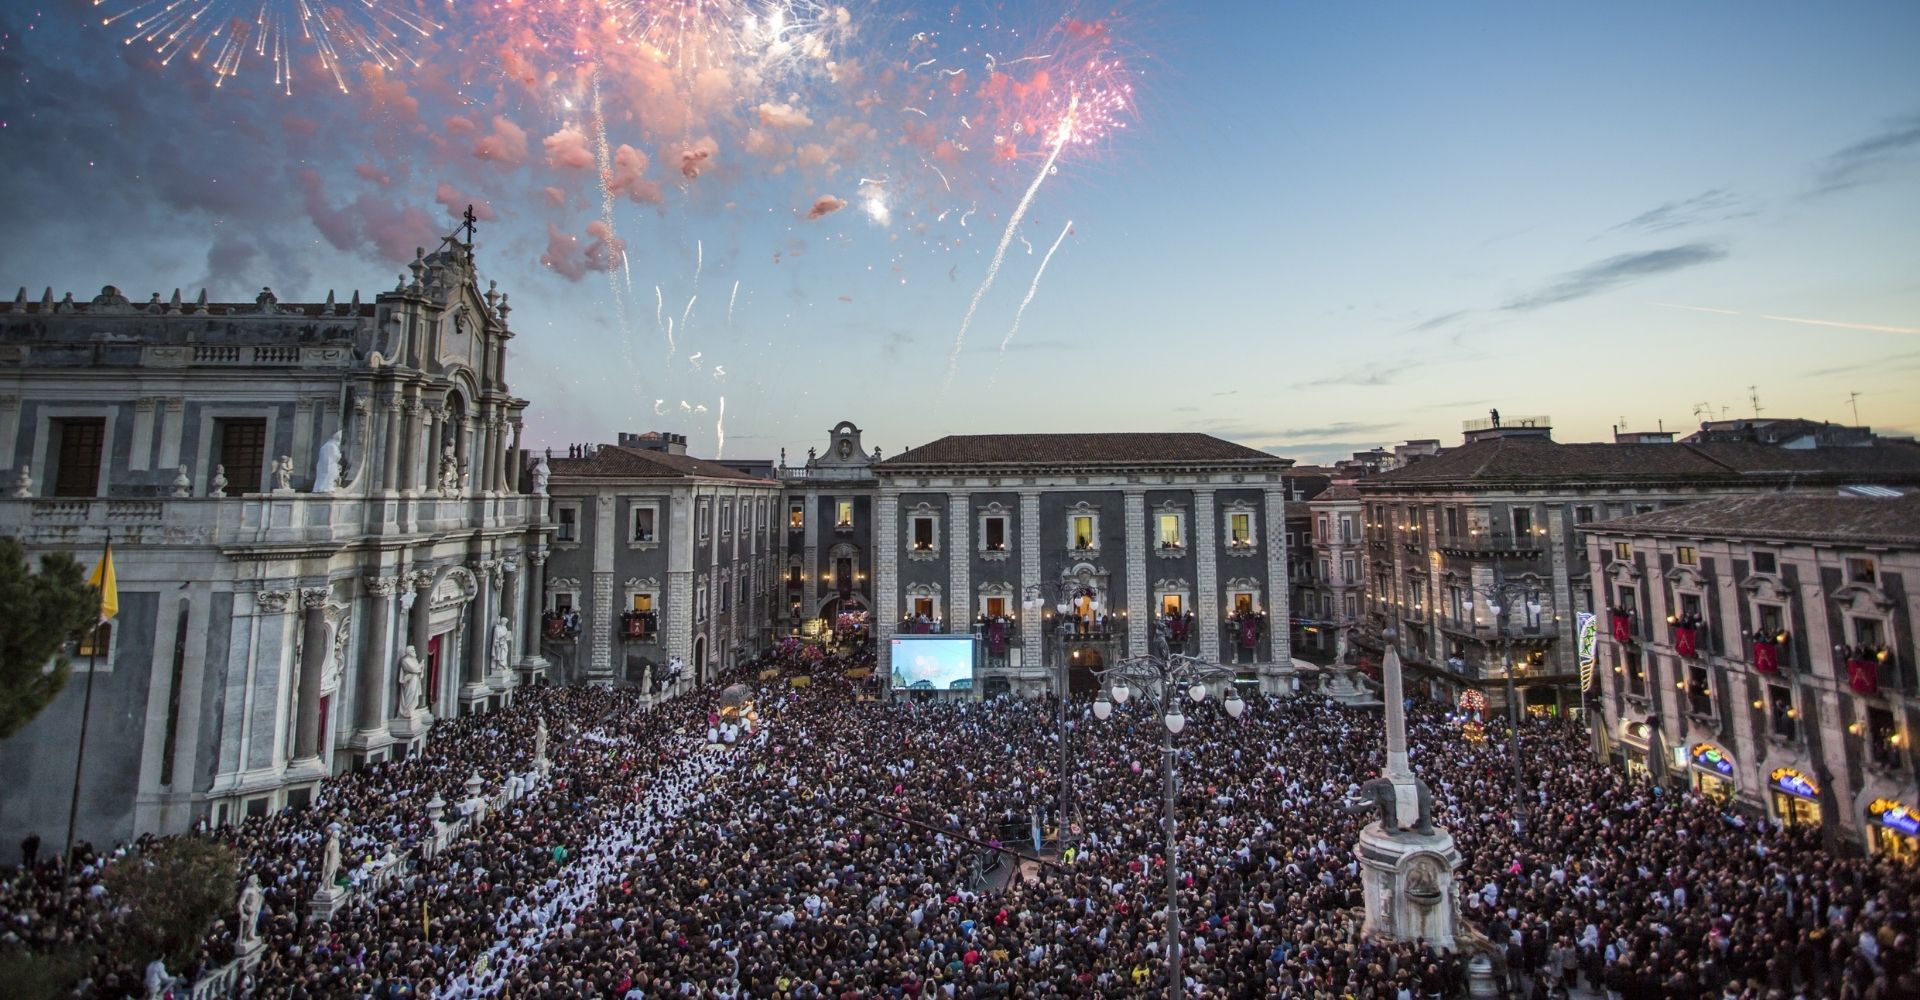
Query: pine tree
40	616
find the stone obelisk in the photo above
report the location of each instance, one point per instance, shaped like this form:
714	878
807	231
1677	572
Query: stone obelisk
1407	872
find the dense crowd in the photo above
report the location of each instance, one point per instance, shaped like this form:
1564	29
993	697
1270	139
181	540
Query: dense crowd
834	847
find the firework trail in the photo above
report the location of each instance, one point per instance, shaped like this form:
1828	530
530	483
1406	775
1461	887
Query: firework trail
730	298
605	162
1035	287
688	312
1000	252
720	430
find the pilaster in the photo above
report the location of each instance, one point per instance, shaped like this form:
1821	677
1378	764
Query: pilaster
140	452
1138	615
600	612
1279	587
1032	631
886	577
1206	571
959	562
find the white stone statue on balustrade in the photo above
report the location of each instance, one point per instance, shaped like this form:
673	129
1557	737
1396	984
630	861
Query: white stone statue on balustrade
540	744
540	474
283	474
251	899
330	860
326	469
502	644
411	670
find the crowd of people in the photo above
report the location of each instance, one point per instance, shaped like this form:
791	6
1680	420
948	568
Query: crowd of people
806	842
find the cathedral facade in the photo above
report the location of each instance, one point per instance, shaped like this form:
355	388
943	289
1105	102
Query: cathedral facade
318	523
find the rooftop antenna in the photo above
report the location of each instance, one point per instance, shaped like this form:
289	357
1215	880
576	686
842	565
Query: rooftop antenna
1753	396
1853	400
1706	408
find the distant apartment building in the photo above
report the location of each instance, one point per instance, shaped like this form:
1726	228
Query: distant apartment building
1493	524
1761	649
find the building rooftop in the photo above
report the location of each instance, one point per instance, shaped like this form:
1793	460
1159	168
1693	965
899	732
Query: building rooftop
1810	517
1336	493
1083	450
615	462
1523	460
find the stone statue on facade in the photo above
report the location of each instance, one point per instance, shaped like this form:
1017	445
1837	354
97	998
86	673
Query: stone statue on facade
330	861
283	474
540	475
540	742
449	471
646	680
251	899
411	670
326	469
502	643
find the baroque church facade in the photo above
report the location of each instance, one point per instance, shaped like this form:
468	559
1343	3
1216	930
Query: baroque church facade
319	527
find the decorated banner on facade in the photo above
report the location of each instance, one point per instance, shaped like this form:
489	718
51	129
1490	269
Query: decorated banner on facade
1588	629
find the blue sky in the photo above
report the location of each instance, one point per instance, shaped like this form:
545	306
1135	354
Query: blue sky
1327	226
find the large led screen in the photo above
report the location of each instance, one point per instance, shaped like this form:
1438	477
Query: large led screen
933	662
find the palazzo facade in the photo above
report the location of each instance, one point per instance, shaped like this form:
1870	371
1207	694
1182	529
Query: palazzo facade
296	494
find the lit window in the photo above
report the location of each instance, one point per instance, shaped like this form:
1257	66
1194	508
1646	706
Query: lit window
1623	551
1686	555
923	534
844	516
993	533
1170	531
796	516
1082	531
1861	571
1240	529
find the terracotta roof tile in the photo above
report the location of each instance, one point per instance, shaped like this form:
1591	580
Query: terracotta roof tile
1081	449
1787	516
615	462
1532	460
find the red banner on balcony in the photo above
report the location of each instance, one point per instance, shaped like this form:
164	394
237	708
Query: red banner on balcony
1862	676
554	627
1766	657
997	636
1178	627
1249	632
1686	640
1622	626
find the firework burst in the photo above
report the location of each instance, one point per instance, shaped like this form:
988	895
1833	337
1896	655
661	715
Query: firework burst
227	35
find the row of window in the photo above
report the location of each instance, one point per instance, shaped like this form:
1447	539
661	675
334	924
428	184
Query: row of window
1783	715
1859	569
77	445
1083	531
643	521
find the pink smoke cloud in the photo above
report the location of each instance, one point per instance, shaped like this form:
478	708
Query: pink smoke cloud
696	157
456	201
567	257
555	197
628	177
567	149
783	116
506	144
393	229
826	204
372	174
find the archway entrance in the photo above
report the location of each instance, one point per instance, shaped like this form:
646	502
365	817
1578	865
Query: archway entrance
700	661
1082	661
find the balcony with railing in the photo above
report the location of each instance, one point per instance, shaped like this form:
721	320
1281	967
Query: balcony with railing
1869	670
267	519
1489	546
640	626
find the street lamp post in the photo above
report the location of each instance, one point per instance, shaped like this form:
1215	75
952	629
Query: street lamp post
1035	604
1167	676
1501	597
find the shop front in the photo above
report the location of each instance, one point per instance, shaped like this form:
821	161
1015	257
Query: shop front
1633	746
1795	798
1893	829
1711	772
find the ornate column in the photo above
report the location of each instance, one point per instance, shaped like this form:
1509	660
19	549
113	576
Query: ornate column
479	624
530	622
422	583
390	454
513	459
376	656
303	410
141	452
810	555
504	582
1206	585
313	662
409	462
601	613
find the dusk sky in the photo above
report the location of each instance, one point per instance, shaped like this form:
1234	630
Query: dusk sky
1308	227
